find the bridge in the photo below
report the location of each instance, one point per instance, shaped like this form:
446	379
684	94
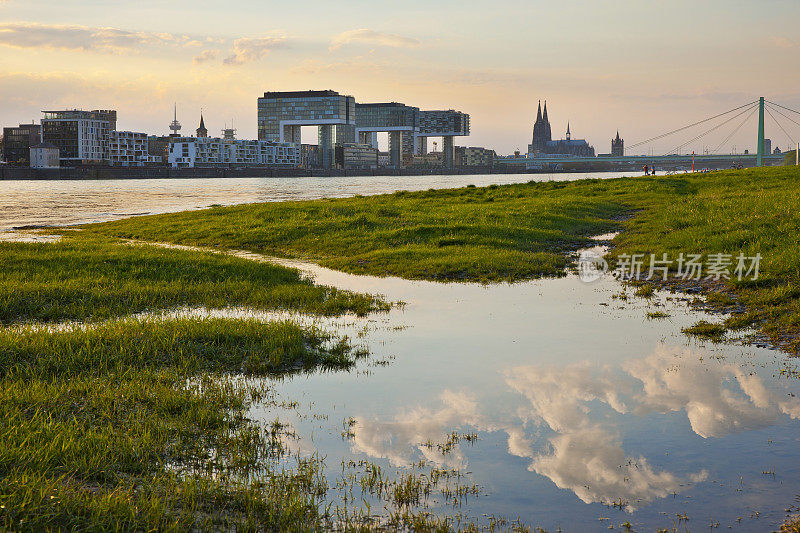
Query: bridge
675	159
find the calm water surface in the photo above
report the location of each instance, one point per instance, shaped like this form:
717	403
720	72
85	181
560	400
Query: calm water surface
52	203
578	401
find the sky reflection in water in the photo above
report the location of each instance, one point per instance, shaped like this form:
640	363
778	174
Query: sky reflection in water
577	404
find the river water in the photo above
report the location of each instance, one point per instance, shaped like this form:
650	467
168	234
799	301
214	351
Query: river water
578	400
47	203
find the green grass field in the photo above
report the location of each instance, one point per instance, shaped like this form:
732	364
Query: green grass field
97	278
113	423
525	231
134	426
485	234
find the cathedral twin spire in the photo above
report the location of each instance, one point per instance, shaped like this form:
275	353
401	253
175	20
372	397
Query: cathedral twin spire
539	117
543	142
541	129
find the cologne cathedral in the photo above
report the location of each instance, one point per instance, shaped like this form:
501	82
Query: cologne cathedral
543	143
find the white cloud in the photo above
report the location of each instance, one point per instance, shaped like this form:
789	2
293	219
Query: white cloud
403	439
585	454
718	399
372	37
591	463
783	42
81	38
205	56
252	49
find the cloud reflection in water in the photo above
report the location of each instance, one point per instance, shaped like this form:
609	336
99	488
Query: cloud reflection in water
575	405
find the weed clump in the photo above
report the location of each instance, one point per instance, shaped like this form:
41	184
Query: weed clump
706	330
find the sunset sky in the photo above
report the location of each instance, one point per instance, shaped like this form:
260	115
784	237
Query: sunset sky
643	67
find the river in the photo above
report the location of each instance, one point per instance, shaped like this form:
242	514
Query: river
53	203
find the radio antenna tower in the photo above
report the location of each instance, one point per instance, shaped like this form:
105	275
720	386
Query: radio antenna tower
175	126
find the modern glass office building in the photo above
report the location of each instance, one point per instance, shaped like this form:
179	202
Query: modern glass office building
341	121
399	120
282	114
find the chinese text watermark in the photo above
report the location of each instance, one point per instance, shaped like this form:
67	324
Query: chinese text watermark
687	267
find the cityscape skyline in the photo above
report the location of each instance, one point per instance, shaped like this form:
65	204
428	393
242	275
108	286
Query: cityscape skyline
602	66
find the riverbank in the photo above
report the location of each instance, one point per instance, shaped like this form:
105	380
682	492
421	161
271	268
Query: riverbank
517	232
113	173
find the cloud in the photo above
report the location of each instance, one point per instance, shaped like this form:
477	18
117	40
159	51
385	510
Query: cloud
591	463
718	400
205	56
585	452
587	457
404	439
372	37
252	49
81	38
783	42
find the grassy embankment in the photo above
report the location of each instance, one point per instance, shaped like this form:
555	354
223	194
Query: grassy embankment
523	231
140	424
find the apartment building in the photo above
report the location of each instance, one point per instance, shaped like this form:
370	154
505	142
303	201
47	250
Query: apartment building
128	149
192	152
82	137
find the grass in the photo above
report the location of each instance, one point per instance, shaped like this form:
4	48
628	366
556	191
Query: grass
470	234
524	231
133	425
748	211
91	278
125	424
707	330
791	525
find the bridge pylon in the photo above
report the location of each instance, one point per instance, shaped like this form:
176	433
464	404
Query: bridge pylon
760	150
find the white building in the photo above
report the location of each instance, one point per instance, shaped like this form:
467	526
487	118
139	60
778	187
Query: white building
191	152
128	149
44	155
82	137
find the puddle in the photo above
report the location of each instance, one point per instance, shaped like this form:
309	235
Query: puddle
582	407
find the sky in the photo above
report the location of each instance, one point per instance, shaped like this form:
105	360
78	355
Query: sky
643	67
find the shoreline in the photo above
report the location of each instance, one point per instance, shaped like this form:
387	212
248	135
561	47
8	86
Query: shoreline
104	173
115	173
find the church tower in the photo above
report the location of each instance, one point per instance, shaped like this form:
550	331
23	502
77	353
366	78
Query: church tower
617	146
547	133
202	131
569	135
540	131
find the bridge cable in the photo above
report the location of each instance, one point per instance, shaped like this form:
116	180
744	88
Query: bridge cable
784	107
784	115
690	126
700	136
677	150
779	125
734	132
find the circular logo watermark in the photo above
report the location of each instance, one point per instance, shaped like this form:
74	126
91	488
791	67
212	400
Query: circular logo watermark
591	267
